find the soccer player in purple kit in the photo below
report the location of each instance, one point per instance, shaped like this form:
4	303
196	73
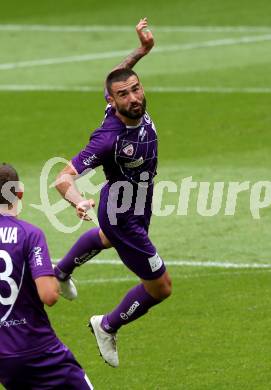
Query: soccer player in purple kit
126	146
31	355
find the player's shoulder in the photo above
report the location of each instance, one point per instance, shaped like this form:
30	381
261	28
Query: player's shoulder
111	122
102	136
109	130
29	228
25	232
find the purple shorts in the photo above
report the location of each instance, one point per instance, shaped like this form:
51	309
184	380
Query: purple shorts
54	369
130	238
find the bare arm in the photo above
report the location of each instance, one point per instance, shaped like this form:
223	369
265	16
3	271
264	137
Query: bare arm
65	185
48	289
147	42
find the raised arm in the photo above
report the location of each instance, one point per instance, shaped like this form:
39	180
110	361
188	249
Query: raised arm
147	42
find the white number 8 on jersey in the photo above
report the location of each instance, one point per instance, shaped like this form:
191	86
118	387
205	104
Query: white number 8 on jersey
5	276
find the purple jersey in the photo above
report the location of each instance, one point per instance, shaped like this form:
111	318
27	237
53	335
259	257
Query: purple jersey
124	151
24	325
127	153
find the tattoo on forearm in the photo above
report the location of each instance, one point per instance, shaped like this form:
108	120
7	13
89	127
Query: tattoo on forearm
131	60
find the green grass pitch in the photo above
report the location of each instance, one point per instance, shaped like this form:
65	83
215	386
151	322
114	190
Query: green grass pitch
213	333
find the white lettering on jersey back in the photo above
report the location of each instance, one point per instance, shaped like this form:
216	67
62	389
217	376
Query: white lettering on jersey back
8	235
9	323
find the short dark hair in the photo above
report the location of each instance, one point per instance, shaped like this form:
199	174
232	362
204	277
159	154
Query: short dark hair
7	173
121	74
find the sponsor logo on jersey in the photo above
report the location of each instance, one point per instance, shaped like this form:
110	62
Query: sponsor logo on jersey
134	164
38	255
88	161
155	262
8	235
9	323
128	150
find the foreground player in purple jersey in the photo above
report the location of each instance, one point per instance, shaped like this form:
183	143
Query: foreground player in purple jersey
31	355
126	146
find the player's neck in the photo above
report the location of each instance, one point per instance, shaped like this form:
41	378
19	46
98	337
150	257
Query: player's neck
128	121
11	211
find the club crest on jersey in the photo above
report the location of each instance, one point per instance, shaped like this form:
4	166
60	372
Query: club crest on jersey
128	150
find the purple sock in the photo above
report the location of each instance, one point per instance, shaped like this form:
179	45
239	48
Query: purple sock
88	246
135	304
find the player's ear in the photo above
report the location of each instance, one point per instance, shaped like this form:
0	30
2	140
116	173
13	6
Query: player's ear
111	101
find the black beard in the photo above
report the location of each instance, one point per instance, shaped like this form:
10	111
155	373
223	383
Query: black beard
134	115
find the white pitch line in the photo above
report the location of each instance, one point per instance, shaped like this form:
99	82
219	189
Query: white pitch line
190	263
62	60
107	280
189	89
48	88
120	53
199	89
182	276
119	28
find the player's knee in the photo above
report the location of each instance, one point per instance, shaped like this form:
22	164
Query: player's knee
166	289
161	289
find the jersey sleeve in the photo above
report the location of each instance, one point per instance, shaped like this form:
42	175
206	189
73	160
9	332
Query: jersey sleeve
94	154
38	255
